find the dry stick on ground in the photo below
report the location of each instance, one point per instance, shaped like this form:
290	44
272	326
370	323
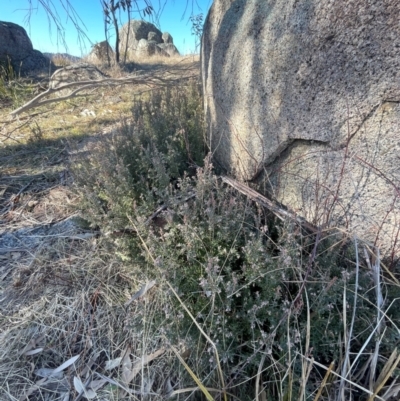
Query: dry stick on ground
272	206
7	135
149	80
11	201
250	193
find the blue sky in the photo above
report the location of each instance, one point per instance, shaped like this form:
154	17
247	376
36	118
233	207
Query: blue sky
173	19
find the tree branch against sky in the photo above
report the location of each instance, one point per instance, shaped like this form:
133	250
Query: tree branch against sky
53	17
74	26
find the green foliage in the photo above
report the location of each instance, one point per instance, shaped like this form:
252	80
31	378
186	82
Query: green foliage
137	167
13	90
243	285
197	27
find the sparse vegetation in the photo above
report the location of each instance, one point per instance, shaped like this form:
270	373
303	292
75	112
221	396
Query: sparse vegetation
13	90
167	268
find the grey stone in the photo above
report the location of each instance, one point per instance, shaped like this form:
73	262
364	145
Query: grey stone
152	36
131	33
146	48
167	38
302	97
16	47
102	53
169	48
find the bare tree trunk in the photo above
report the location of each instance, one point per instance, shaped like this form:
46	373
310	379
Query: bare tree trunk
127	34
113	10
106	36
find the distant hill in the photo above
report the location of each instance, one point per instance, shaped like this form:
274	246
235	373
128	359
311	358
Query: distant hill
58	56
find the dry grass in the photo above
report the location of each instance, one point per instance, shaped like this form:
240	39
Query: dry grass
62	291
71	302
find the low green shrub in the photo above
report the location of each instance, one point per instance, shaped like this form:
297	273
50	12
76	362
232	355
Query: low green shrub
267	294
140	164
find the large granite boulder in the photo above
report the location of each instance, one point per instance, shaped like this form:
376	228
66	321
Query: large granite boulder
131	33
16	47
143	39
302	97
101	53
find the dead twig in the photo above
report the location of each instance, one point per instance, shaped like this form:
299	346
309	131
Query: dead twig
10	203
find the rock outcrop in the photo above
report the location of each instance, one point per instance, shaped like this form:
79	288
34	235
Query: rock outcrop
169	48
303	97
153	36
143	39
146	48
167	38
101	53
16	48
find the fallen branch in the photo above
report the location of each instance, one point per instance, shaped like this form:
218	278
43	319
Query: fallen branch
270	205
91	84
278	210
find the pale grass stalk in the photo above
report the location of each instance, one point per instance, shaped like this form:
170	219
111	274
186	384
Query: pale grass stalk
387	366
288	373
365	390
362	370
325	379
288	396
303	387
306	367
271	366
258	378
192	389
389	273
386	378
369	338
393	390
340	395
192	374
187	311
375	268
346	361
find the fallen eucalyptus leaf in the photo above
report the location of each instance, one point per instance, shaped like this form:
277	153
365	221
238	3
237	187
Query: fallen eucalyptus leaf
34	351
81	389
46	372
113	363
66	364
142	292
